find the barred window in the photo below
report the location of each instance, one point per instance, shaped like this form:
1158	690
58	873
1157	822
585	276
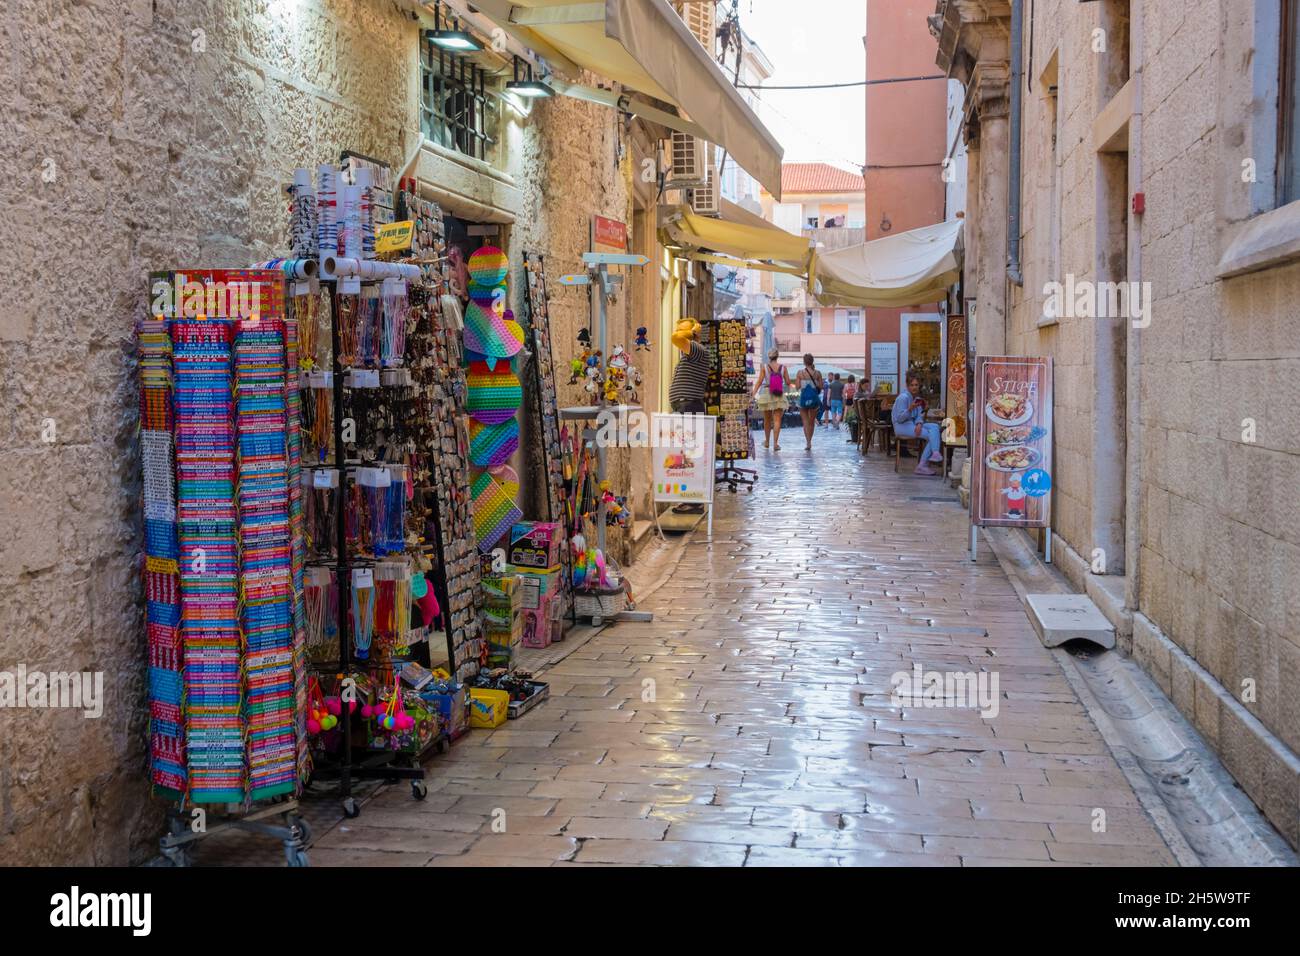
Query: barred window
458	103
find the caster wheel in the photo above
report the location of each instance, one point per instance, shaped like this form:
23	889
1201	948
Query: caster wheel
419	789
295	856
597	621
443	746
351	809
302	827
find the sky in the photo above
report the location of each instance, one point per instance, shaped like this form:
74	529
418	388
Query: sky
821	44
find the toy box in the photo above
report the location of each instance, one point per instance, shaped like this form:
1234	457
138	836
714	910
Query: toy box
535	545
452	705
488	708
502	619
536	587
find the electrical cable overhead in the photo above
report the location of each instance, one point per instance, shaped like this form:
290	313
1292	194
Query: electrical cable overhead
835	86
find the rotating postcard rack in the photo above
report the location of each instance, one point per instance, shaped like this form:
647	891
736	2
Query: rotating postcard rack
219	418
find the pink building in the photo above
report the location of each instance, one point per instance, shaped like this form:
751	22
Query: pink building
905	187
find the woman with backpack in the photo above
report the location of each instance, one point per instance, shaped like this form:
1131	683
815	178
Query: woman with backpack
769	390
810	383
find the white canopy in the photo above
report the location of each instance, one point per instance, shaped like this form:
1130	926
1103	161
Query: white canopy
645	45
911	268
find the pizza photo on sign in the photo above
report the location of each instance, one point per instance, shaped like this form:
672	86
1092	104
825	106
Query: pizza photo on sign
1010	408
1014	458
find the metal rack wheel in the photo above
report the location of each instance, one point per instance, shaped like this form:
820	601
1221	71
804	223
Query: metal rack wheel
351	809
300	828
419	789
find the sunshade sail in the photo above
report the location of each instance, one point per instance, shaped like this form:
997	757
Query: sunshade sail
744	237
911	268
645	45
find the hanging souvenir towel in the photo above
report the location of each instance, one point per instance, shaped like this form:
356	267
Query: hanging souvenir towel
494	395
492	445
494	511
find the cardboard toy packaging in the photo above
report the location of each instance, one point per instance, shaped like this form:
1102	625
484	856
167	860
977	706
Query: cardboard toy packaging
535	545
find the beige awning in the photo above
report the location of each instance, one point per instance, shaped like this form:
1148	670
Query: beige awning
645	45
749	241
911	268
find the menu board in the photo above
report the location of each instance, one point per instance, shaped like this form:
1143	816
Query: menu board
955	394
683	457
1011	450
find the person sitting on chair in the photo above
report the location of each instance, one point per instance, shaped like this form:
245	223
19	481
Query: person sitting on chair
909	421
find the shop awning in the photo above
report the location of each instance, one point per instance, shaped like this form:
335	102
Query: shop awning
748	240
645	45
911	268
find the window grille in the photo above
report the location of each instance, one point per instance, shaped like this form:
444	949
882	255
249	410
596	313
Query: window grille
458	103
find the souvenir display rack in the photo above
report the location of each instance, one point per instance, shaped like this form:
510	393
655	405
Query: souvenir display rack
224	559
551	450
352	576
727	396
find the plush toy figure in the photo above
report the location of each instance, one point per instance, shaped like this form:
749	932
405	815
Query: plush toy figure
684	333
618	358
584	337
575	370
641	341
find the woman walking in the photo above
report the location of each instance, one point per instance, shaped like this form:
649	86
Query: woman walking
810	382
770	391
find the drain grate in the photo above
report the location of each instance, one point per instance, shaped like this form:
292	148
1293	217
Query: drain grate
952	498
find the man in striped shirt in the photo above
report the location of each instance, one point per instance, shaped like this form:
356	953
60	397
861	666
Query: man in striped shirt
686	394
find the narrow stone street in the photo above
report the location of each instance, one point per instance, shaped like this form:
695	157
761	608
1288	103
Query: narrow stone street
752	723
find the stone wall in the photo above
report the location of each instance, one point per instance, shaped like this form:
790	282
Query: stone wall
1219	544
151	135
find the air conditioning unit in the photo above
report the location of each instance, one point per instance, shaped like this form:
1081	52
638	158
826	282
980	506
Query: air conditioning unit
689	161
704	199
700	17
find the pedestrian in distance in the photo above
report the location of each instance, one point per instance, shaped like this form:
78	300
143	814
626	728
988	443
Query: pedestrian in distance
836	390
811	384
769	392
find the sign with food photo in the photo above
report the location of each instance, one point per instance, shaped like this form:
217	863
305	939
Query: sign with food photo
1011	454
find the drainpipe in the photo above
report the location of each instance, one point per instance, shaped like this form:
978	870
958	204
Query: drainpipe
1014	272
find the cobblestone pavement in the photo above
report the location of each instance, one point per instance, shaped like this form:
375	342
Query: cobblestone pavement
752	722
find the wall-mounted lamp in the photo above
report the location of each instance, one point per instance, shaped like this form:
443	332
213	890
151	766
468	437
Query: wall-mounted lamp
451	36
457	40
527	86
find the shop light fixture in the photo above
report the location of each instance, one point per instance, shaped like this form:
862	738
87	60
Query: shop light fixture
458	40
526	86
529	88
447	34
